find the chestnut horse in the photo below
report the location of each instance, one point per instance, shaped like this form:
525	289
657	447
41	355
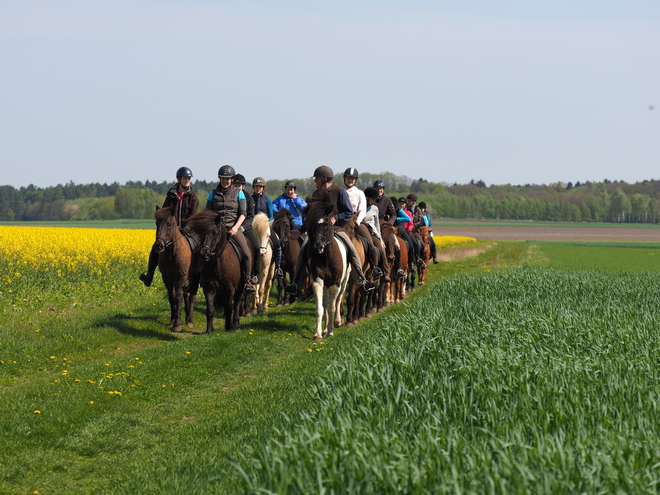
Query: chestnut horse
425	232
327	264
174	258
356	300
284	228
261	227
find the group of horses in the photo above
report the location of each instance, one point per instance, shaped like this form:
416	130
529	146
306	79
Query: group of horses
200	252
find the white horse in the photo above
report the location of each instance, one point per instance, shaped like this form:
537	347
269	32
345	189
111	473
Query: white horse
261	227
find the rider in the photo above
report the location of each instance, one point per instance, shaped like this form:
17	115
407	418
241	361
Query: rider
343	213
263	204
411	203
359	204
246	226
406	225
290	201
426	221
230	203
182	196
386	210
372	223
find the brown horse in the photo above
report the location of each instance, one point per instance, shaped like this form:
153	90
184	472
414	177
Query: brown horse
356	299
392	246
221	275
425	232
285	230
401	284
328	266
174	258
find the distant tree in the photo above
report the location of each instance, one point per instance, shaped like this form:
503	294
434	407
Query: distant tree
569	186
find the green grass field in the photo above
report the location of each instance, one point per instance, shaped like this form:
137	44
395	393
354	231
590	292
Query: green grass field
492	378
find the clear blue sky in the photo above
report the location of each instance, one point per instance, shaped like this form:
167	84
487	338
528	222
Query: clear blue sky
515	91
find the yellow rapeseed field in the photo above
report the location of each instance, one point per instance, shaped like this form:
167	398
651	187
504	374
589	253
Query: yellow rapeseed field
71	249
452	240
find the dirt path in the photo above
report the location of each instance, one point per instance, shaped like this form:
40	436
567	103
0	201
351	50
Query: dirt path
522	233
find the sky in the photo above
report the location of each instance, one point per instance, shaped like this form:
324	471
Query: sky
508	92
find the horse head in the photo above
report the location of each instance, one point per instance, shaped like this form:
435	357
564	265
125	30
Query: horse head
166	227
207	227
283	225
319	226
261	227
389	239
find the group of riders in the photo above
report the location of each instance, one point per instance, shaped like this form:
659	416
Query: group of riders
237	208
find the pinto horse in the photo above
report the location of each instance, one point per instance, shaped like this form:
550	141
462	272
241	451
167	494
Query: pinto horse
284	228
261	227
174	259
327	265
425	233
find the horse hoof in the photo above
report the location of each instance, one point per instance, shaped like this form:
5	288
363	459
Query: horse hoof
177	328
349	324
190	324
317	338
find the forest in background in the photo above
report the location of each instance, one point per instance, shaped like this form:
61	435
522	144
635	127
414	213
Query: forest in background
606	201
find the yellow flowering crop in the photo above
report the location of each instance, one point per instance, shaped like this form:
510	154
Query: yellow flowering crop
443	241
64	249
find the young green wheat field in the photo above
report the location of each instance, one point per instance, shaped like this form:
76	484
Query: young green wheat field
531	368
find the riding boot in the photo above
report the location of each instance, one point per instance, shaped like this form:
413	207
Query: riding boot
373	259
148	276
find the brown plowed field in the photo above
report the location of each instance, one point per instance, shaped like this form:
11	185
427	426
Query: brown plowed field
522	233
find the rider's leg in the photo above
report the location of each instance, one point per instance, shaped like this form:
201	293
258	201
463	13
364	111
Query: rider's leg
277	252
254	244
434	253
148	276
247	261
372	251
354	260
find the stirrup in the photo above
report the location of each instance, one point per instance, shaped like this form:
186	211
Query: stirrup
376	272
292	289
254	279
368	285
279	273
249	289
400	273
147	278
421	264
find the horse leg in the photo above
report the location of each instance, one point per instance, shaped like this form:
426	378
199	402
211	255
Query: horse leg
233	321
210	309
189	301
175	308
317	287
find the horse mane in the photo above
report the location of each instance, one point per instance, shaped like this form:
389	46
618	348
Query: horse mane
260	224
203	222
319	208
387	227
349	227
161	214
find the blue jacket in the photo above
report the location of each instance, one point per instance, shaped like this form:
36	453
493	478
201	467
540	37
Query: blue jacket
296	206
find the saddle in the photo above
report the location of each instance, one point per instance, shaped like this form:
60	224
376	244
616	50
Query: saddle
192	238
239	252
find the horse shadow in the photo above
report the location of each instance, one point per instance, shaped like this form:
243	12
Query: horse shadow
133	325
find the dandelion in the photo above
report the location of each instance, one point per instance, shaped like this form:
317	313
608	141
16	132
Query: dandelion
38	330
187	352
37	411
91	402
53	357
310	350
164	385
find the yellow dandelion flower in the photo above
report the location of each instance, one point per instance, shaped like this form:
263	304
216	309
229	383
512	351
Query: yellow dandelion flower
37	411
91	402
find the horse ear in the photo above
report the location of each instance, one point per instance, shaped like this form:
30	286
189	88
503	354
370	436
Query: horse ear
157	207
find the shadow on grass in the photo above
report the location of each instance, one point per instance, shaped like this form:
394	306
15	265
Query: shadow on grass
132	325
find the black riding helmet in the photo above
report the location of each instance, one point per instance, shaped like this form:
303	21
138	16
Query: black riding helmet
226	171
351	172
239	179
290	183
371	192
379	183
184	172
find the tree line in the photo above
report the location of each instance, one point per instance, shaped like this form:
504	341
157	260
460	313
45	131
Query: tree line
606	201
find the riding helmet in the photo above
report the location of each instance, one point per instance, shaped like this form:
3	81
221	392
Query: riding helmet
402	200
239	179
226	171
184	172
379	183
351	172
290	183
371	192
422	205
323	171
258	181
412	196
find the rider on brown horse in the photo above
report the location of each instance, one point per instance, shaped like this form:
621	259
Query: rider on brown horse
342	213
184	199
230	203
